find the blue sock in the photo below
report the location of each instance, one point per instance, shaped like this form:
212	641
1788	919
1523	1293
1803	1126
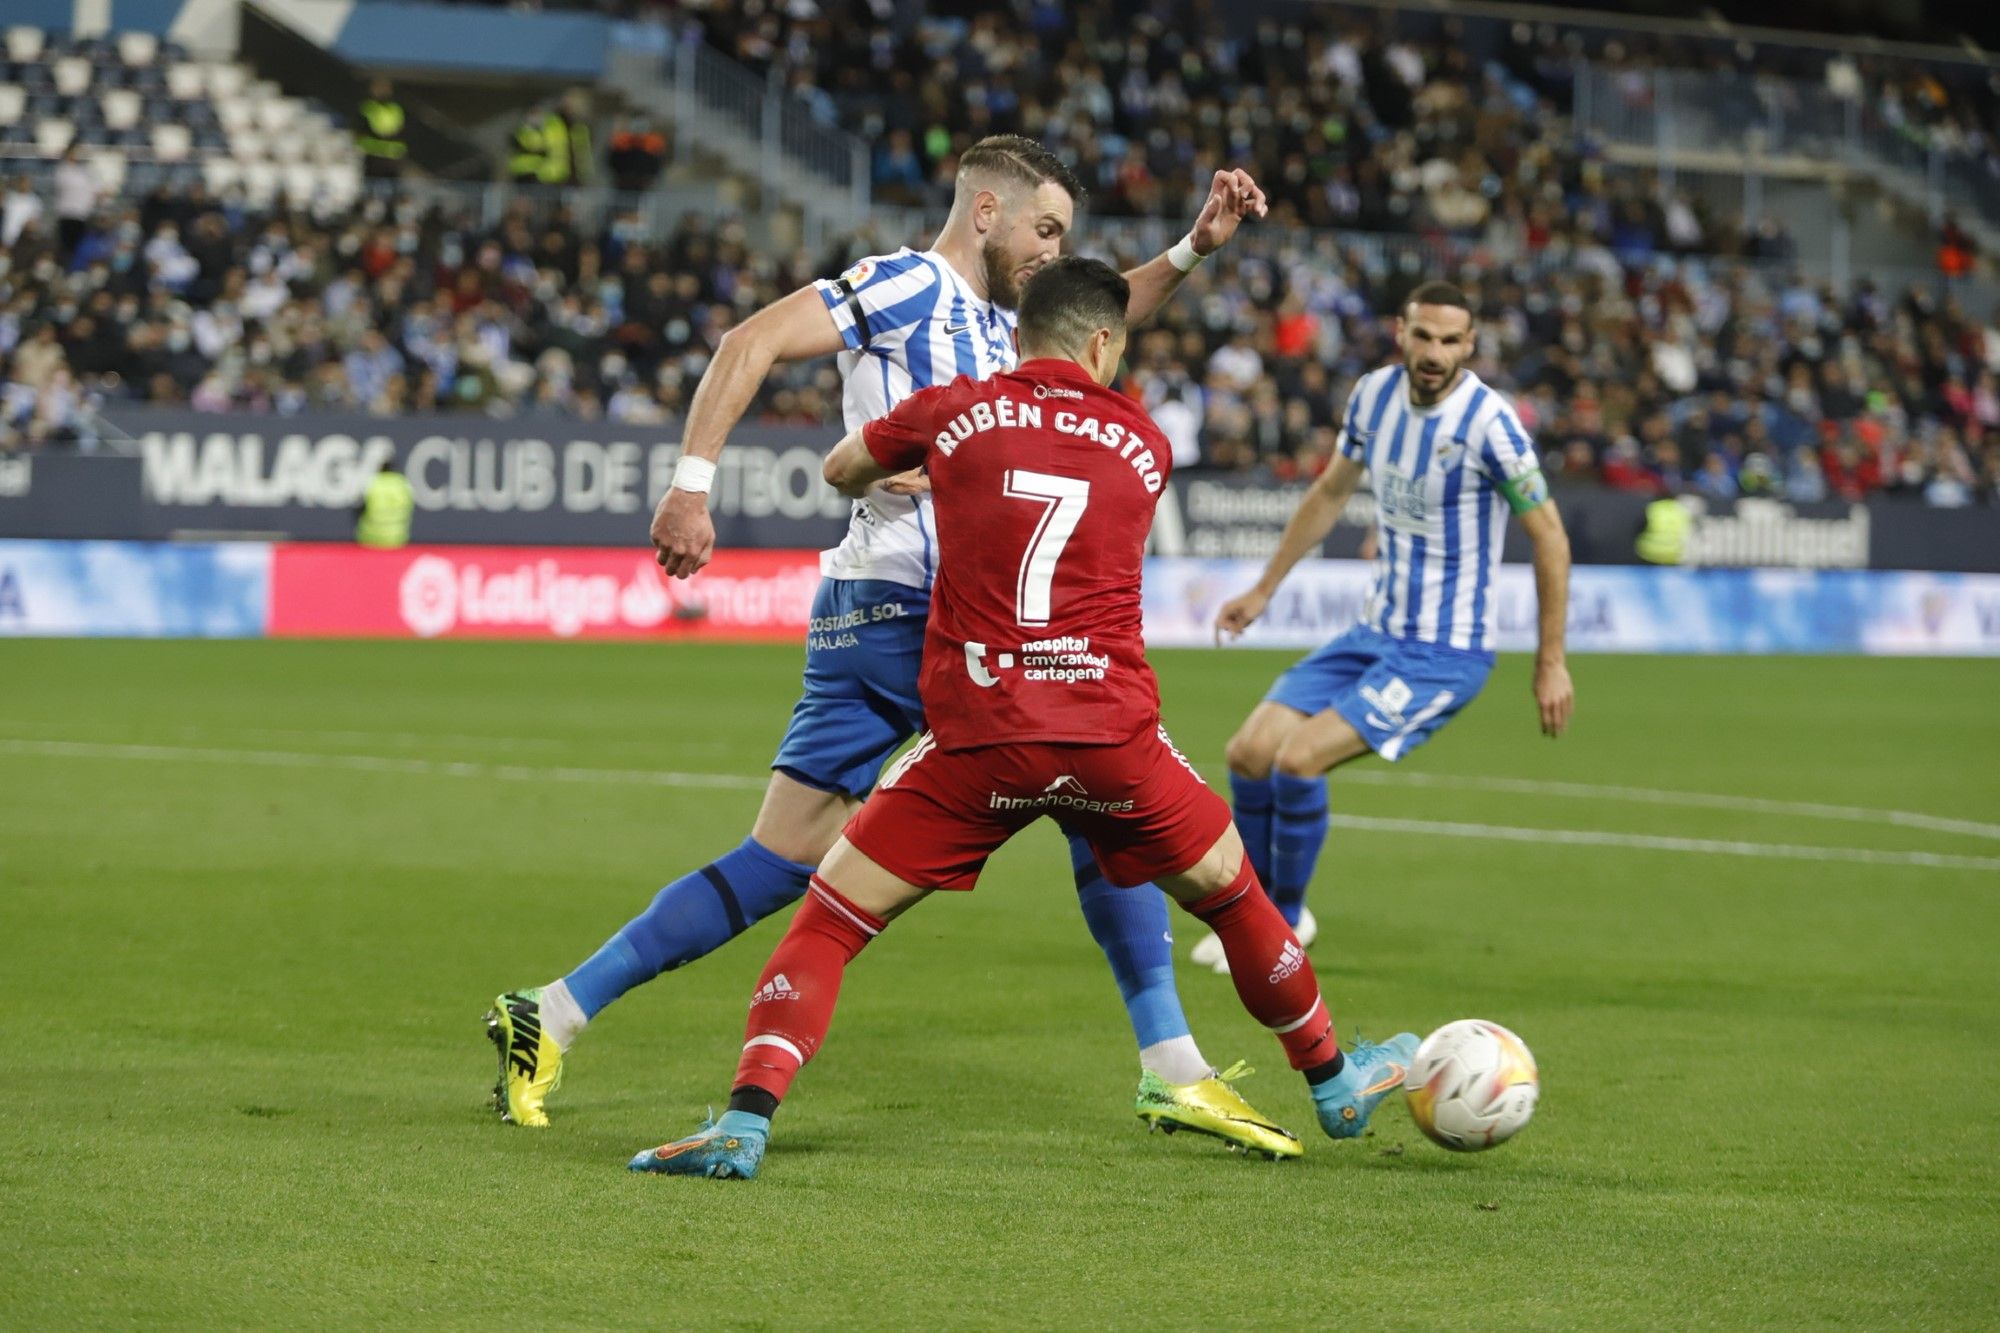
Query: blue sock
1251	802
1131	926
1298	831
690	918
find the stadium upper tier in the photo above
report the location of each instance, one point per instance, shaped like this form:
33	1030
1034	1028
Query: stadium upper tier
1353	115
1639	370
143	109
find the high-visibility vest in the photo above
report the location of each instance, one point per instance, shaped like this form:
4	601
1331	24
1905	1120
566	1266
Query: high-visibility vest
555	150
529	153
1664	540
384	134
385	511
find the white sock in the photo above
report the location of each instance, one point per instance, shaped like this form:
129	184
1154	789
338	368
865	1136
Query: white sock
562	1017
1177	1060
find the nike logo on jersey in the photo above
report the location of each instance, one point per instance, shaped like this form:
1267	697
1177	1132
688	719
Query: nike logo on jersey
956	329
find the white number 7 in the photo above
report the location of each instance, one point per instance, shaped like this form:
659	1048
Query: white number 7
1066	498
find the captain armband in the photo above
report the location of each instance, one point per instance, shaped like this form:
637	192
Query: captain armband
1525	491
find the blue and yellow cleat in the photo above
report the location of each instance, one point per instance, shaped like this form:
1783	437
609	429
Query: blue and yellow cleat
1372	1072
530	1062
725	1149
1212	1106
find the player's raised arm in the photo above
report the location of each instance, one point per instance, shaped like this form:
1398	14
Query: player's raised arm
1232	196
1310	523
792	329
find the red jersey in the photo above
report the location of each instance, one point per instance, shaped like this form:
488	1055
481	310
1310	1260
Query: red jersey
1044	484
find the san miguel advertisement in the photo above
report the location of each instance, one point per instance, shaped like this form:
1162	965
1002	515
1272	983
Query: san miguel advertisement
529	592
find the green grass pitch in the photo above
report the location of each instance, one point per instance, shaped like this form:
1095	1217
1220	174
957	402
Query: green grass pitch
245	1076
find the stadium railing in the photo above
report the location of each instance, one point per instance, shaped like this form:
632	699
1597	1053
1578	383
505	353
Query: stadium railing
754	123
1678	112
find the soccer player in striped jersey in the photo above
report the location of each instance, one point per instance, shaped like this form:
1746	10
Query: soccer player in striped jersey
898	323
1448	459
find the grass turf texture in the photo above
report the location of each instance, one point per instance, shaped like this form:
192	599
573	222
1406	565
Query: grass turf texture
247	1076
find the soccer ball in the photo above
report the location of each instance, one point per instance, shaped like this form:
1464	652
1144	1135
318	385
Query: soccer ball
1472	1085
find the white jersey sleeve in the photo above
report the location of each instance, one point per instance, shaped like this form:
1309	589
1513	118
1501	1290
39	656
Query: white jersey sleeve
1507	456
876	303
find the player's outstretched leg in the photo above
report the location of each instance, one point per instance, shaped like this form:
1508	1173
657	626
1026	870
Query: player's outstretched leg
1277	985
1178	1088
688	919
790	1012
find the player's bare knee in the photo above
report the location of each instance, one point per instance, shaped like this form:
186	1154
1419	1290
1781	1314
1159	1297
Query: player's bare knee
798	822
1298	757
1248	754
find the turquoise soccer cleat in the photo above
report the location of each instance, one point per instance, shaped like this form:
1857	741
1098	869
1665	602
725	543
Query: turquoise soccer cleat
1372	1072
725	1149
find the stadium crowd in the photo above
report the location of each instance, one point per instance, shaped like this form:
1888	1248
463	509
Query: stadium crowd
1351	116
1712	375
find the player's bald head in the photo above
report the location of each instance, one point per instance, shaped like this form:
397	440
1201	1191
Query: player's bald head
1068	302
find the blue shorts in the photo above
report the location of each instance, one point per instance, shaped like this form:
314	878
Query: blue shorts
864	652
1395	692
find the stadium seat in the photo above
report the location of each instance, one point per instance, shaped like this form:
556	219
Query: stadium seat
53	135
122	108
303	183
13	101
72	75
25	44
260	182
248	145
343	182
184	82
224	80
234	113
171	143
109	166
277	114
221	173
137	48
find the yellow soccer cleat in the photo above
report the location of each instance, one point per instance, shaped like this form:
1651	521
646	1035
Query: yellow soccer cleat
530	1063
1213	1107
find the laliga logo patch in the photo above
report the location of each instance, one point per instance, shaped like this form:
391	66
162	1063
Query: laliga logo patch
428	596
859	274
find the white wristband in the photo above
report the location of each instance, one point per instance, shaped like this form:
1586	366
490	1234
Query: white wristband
694	474
1182	256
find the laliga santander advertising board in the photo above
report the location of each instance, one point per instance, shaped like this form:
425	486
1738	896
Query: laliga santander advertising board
536	592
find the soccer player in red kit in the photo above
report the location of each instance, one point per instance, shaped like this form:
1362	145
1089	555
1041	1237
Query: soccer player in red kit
1040	702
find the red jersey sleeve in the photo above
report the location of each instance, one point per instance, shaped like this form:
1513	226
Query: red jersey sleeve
900	440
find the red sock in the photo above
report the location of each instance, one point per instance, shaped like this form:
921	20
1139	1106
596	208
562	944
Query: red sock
1272	976
793	1004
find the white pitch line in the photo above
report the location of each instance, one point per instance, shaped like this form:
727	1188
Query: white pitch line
364	763
1855	814
375	763
1653	842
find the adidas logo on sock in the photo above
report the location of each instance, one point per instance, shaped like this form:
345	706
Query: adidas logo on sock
777	988
1291	960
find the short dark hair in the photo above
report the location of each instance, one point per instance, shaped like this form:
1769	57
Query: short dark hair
1442	293
1022	159
1070	299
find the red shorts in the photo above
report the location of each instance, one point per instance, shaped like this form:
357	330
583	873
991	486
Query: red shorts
938	815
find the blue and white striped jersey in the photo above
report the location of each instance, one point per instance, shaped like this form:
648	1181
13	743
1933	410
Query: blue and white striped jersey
909	321
1441	477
